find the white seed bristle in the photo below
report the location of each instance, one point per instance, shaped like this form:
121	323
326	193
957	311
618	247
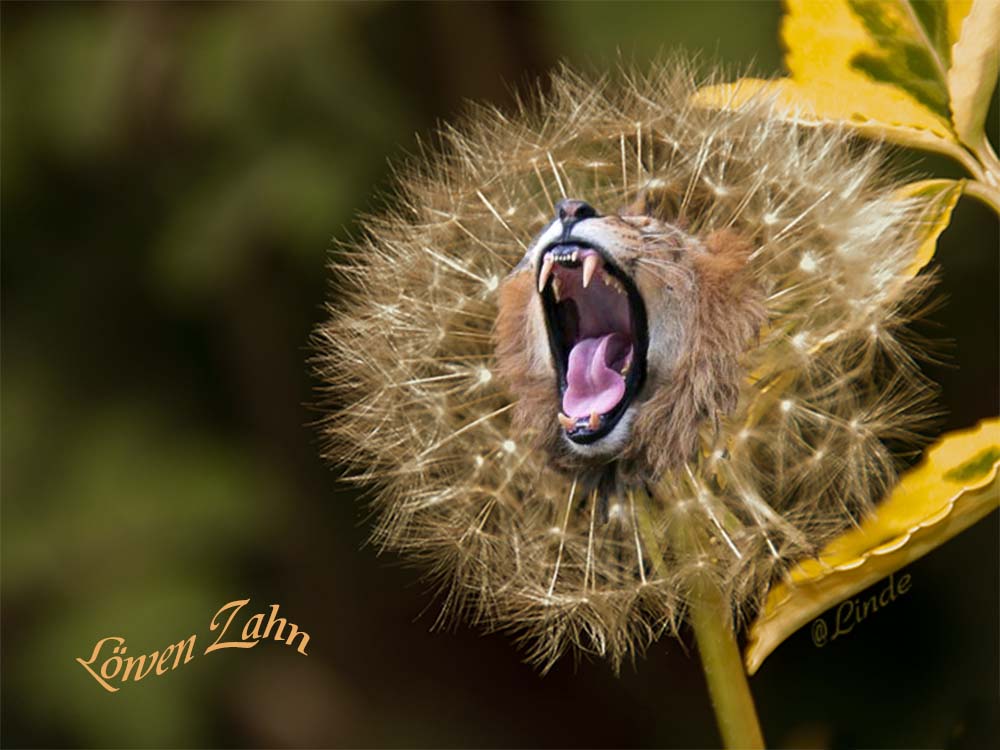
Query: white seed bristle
407	358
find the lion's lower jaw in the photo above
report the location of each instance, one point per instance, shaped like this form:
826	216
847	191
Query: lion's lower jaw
610	445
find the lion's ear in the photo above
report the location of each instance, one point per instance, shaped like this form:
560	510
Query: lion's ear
727	255
638	207
658	202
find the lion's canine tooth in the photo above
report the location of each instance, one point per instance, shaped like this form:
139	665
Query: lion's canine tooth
568	423
590	264
594	421
547	263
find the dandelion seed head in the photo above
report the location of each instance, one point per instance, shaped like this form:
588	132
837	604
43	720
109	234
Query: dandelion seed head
784	444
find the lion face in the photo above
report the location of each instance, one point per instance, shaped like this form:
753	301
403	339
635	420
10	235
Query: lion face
601	332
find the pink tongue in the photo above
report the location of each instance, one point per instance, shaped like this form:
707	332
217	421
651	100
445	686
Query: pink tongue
590	384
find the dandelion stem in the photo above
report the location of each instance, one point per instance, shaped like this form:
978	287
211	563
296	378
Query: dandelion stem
723	666
711	619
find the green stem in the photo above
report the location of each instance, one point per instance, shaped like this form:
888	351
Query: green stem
966	159
723	666
988	195
988	157
711	620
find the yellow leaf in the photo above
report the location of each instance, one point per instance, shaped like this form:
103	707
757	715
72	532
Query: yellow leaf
973	74
953	487
882	67
957	11
941	197
827	103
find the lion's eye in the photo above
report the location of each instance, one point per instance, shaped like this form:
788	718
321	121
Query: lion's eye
596	323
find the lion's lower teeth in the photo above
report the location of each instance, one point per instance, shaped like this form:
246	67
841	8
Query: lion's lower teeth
569	423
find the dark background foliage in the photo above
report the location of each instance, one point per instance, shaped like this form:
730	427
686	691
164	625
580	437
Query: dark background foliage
172	177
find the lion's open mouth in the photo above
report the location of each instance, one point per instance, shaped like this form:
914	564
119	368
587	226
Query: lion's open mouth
596	323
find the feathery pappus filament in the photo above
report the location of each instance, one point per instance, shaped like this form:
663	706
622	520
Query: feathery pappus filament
609	316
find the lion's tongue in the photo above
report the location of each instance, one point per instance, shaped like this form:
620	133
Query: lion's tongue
591	385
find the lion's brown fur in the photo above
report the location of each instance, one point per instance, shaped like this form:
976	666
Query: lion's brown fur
711	296
704	385
532	383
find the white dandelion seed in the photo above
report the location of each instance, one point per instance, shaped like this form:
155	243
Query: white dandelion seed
765	443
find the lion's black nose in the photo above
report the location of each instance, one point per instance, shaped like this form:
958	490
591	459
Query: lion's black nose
571	211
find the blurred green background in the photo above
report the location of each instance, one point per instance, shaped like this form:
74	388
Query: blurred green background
172	176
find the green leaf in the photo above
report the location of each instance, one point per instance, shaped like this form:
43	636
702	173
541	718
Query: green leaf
877	55
910	48
952	488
